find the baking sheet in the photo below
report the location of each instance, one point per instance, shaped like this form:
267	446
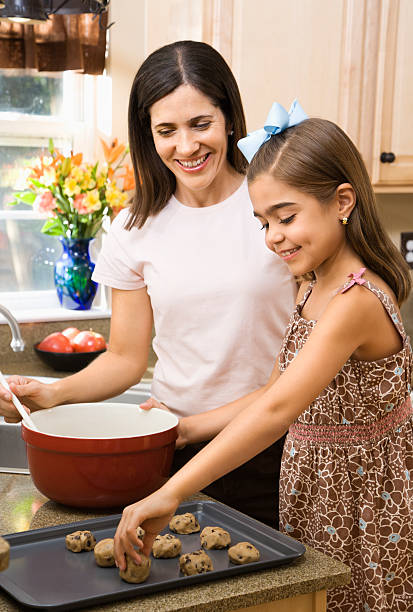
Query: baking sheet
43	574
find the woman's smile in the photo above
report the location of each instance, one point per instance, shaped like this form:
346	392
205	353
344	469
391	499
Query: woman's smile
191	138
194	165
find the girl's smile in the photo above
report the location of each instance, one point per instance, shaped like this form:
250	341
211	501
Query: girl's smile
288	254
298	228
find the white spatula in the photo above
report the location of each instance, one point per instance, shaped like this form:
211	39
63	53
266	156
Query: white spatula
26	418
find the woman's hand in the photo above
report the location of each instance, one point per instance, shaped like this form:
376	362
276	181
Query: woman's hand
152	513
182	436
33	394
151	402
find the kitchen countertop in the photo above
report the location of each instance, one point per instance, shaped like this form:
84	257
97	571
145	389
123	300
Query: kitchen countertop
22	507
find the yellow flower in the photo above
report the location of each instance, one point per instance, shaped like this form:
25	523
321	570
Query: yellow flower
100	181
76	173
87	181
115	198
92	201
71	187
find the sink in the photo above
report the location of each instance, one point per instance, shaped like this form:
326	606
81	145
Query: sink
13	449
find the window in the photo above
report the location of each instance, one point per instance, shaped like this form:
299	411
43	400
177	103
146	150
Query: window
33	108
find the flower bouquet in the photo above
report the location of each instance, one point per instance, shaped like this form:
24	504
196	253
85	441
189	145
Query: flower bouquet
76	197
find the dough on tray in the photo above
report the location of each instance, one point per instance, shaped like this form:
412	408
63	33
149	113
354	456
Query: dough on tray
196	562
105	552
166	546
243	552
80	540
184	523
136	573
4	554
215	537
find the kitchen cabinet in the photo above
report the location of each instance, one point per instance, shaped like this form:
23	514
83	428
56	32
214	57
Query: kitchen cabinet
394	122
349	61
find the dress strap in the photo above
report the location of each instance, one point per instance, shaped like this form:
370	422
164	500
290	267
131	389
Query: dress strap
356	278
305	297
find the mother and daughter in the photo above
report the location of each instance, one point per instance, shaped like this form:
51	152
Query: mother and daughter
340	385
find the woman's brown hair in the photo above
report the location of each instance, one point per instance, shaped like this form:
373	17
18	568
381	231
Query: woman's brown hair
315	157
183	62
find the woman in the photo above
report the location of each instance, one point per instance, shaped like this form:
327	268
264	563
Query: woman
188	257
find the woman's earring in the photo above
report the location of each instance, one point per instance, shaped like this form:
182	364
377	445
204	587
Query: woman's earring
344	220
231	133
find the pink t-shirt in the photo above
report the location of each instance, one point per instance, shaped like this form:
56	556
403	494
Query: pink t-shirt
221	300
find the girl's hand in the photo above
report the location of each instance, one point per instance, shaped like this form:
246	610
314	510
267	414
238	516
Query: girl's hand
153	403
152	513
33	394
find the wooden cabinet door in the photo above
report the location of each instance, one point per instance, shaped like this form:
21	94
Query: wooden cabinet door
284	50
394	98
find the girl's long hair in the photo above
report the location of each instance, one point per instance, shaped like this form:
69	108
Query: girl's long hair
183	62
315	157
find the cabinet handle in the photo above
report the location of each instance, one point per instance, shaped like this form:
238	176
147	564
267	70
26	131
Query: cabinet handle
387	158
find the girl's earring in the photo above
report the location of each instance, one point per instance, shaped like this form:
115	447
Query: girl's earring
344	220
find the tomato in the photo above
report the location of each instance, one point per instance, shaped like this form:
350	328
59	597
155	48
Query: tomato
70	333
56	343
88	341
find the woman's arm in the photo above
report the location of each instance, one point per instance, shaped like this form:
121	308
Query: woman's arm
121	366
344	326
204	426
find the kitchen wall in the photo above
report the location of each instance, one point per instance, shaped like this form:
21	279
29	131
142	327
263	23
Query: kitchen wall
397	212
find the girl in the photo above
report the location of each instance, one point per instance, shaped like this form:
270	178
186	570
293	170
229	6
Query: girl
341	384
187	257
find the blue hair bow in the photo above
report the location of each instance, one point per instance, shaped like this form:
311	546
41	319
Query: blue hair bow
277	121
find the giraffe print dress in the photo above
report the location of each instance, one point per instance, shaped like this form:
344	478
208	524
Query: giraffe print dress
346	485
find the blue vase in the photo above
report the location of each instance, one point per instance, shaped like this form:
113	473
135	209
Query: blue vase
73	275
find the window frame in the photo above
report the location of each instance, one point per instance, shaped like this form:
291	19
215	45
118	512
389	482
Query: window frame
77	125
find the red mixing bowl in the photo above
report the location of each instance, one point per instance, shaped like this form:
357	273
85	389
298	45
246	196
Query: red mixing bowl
102	455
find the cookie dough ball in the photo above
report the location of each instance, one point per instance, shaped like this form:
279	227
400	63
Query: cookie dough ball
215	537
80	540
196	562
4	554
105	552
184	523
243	552
140	532
136	573
166	546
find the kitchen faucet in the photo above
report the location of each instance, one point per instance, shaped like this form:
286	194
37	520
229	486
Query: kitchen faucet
17	342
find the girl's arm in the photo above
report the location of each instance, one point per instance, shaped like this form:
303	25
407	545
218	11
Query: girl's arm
121	366
345	325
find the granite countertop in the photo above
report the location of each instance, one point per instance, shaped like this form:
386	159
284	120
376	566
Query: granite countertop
22	507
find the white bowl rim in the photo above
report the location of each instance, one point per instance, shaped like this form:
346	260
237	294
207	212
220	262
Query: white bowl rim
120	404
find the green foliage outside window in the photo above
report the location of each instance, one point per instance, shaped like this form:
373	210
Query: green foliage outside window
30	95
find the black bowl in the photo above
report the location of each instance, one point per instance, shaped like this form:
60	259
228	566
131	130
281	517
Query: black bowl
66	362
